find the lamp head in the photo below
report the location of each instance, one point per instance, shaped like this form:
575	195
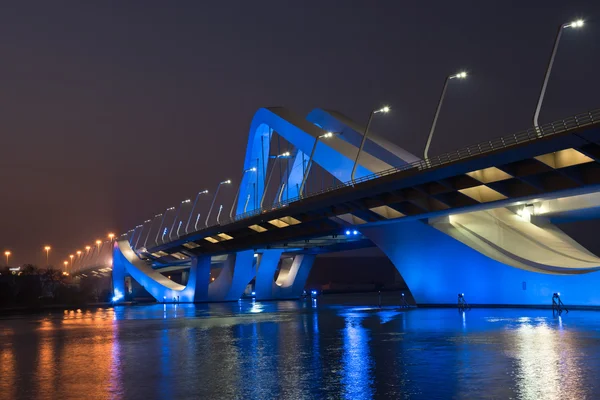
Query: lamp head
575	24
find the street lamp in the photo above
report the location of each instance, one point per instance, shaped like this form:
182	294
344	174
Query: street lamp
66	263
187	201
312	153
237	193
575	25
7	254
87	248
287	154
227	182
98	243
192	211
47	248
71	257
460	75
111	236
384	110
162	221
150	229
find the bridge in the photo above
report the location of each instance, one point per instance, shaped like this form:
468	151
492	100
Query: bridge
479	221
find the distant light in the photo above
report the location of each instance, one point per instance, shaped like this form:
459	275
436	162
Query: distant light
559	294
355	232
313	292
255	255
384	110
348	232
228	181
253	293
462	294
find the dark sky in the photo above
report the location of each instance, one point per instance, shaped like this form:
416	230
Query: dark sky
111	111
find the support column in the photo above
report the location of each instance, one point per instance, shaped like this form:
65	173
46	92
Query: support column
266	267
237	272
118	282
199	278
437	267
291	285
291	280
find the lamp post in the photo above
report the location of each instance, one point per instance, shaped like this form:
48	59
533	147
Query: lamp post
177	216
312	154
7	254
460	75
237	193
111	236
66	264
98	243
384	110
162	221
282	155
227	182
192	210
575	24
47	249
71	257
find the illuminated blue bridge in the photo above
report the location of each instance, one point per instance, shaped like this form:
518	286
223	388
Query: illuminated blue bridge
480	220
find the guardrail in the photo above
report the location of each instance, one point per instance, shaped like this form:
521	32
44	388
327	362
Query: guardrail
503	142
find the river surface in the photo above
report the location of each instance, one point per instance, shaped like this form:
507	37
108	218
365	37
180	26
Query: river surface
299	350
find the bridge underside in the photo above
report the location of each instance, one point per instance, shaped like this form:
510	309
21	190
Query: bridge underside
437	267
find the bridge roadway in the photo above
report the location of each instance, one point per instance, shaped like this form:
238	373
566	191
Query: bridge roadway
510	176
471	220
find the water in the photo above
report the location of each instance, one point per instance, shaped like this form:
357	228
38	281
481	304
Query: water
296	350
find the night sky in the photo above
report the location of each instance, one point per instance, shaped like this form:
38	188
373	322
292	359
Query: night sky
111	111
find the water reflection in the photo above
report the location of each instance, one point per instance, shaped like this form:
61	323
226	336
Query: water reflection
547	365
293	350
356	361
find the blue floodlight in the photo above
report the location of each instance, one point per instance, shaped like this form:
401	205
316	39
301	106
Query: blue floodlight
355	232
314	292
253	293
348	232
117	296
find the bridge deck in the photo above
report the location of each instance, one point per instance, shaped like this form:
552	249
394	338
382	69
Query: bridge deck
555	160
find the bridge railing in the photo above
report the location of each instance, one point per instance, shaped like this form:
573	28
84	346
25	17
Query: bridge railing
502	142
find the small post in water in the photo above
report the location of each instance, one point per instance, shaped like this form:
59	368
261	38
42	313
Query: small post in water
557	304
462	303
